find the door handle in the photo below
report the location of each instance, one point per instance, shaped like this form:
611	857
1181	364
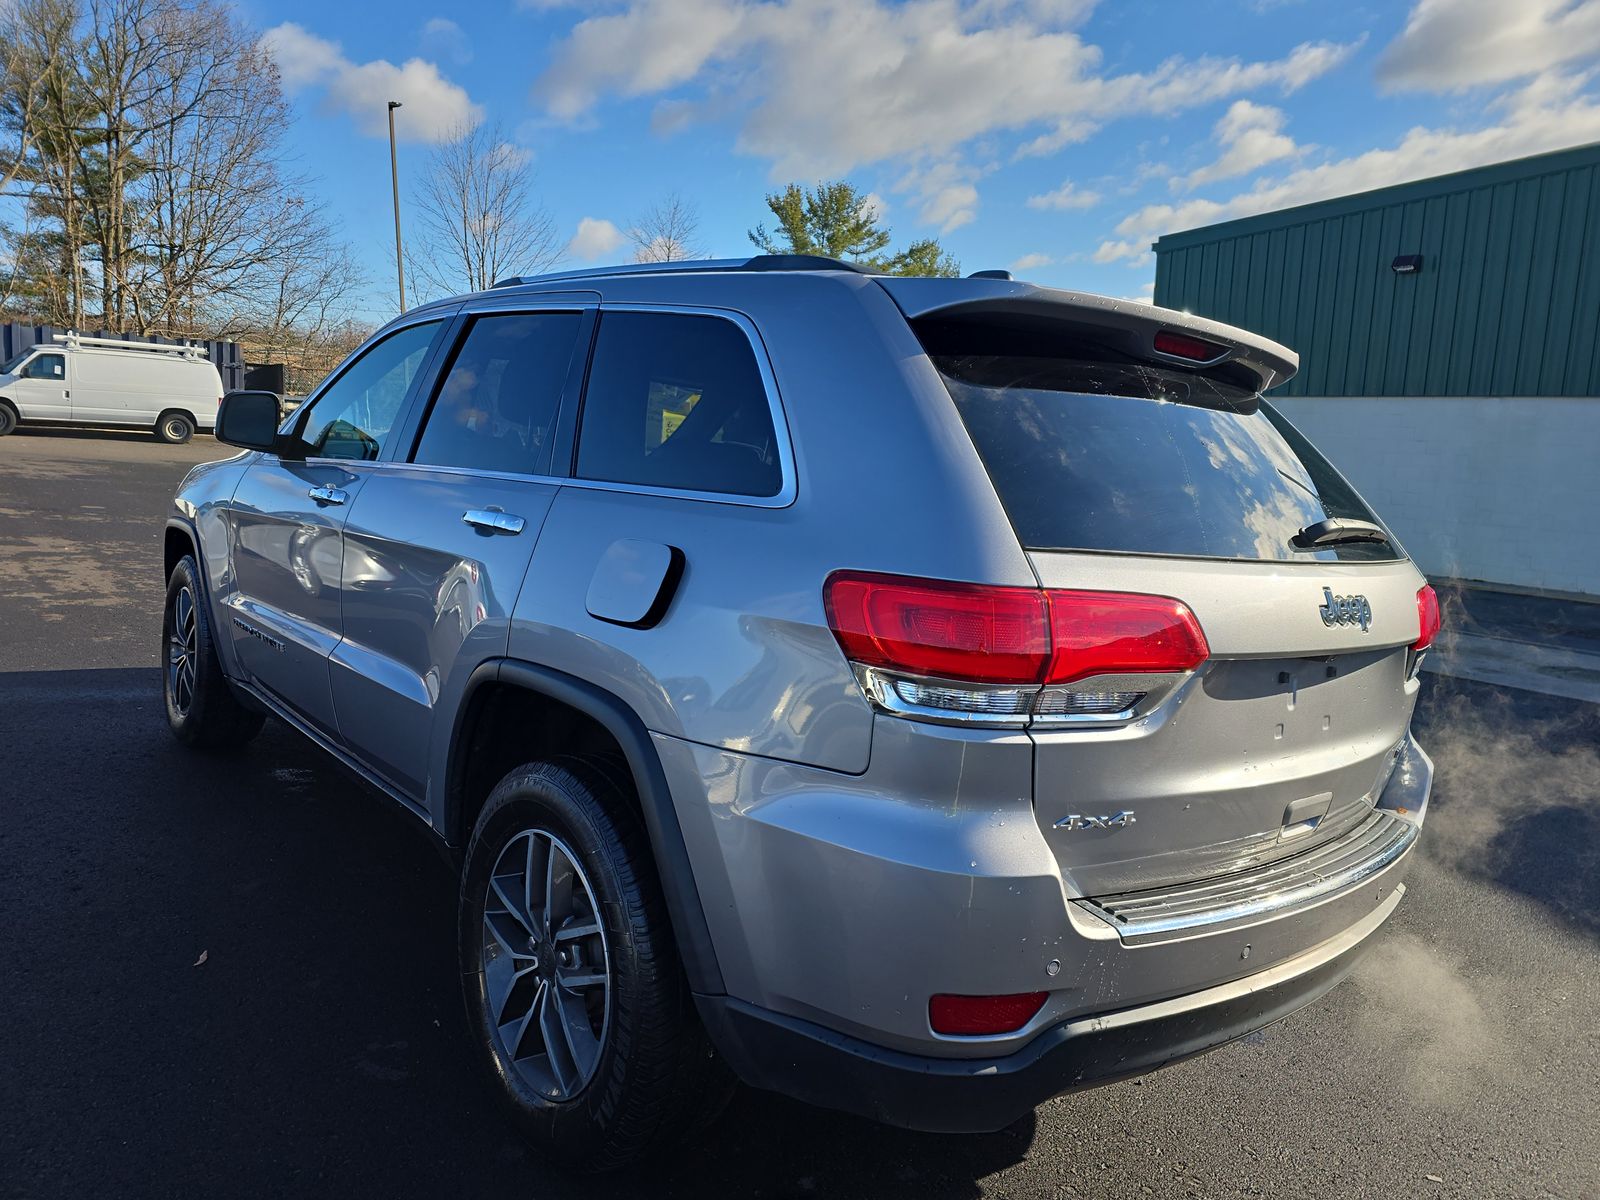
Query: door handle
328	495
486	520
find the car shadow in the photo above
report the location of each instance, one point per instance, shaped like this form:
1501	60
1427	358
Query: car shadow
89	433
243	966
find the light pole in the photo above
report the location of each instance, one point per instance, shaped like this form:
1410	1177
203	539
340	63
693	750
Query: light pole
394	179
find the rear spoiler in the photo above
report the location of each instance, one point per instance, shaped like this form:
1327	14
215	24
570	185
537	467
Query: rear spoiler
1127	326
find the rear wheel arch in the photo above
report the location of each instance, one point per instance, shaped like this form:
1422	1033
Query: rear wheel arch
514	712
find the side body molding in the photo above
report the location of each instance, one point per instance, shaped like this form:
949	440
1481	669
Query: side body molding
661	822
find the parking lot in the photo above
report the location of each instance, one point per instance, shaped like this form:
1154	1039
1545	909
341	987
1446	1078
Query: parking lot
237	976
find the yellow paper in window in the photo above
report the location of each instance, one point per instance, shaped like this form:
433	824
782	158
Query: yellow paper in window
671	420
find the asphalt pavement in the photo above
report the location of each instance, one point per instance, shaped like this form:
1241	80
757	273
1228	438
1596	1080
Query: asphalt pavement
235	976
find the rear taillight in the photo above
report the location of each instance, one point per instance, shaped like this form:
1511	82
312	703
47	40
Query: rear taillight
1428	619
977	1016
974	653
948	630
1113	633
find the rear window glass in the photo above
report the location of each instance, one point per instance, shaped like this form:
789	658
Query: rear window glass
1137	459
676	400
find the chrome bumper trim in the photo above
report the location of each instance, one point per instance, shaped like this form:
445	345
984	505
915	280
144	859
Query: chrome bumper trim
1318	874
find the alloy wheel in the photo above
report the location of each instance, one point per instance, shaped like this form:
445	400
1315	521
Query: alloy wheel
546	971
181	637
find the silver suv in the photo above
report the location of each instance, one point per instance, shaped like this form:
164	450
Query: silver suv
918	696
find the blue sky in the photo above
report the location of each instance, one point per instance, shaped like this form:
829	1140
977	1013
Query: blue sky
1056	137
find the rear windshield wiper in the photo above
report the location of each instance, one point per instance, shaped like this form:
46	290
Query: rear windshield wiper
1337	531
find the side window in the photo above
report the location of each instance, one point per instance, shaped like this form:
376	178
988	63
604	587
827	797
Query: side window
354	417
46	366
675	400
497	404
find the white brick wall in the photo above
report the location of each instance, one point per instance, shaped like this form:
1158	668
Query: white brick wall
1498	489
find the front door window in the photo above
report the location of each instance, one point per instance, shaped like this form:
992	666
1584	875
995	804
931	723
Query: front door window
52	368
356	415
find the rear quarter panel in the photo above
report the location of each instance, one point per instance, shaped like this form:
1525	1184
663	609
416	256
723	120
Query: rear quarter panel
885	480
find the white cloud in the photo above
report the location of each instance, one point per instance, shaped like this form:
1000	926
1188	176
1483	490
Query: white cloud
303	59
1452	44
1030	261
824	86
596	238
1551	113
948	192
443	37
1109	252
1252	137
1065	196
432	107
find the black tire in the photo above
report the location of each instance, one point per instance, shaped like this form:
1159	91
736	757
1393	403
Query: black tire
202	710
174	428
654	1076
8	418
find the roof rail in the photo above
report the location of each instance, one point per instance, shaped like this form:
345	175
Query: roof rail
758	262
76	341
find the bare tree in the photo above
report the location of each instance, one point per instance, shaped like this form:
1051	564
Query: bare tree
667	232
221	225
299	314
146	66
476	217
153	169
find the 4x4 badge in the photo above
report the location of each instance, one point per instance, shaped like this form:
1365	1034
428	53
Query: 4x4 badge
1345	610
1115	821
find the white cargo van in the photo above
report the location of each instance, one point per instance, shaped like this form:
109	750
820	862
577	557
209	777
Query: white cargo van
75	380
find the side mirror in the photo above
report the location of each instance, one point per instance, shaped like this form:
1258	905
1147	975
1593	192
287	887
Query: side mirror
249	420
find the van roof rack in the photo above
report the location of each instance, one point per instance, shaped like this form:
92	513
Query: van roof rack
76	341
758	262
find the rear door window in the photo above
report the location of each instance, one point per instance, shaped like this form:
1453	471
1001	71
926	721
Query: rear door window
497	404
676	400
1133	458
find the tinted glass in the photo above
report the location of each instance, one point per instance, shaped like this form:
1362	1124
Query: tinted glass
497	404
46	366
1137	459
356	415
676	401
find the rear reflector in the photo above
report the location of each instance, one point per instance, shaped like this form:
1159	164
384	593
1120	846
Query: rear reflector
1182	345
1428	618
975	1016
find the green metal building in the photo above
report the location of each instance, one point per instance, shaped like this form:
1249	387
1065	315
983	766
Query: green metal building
1481	283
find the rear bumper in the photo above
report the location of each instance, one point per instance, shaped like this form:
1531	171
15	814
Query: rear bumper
970	1095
